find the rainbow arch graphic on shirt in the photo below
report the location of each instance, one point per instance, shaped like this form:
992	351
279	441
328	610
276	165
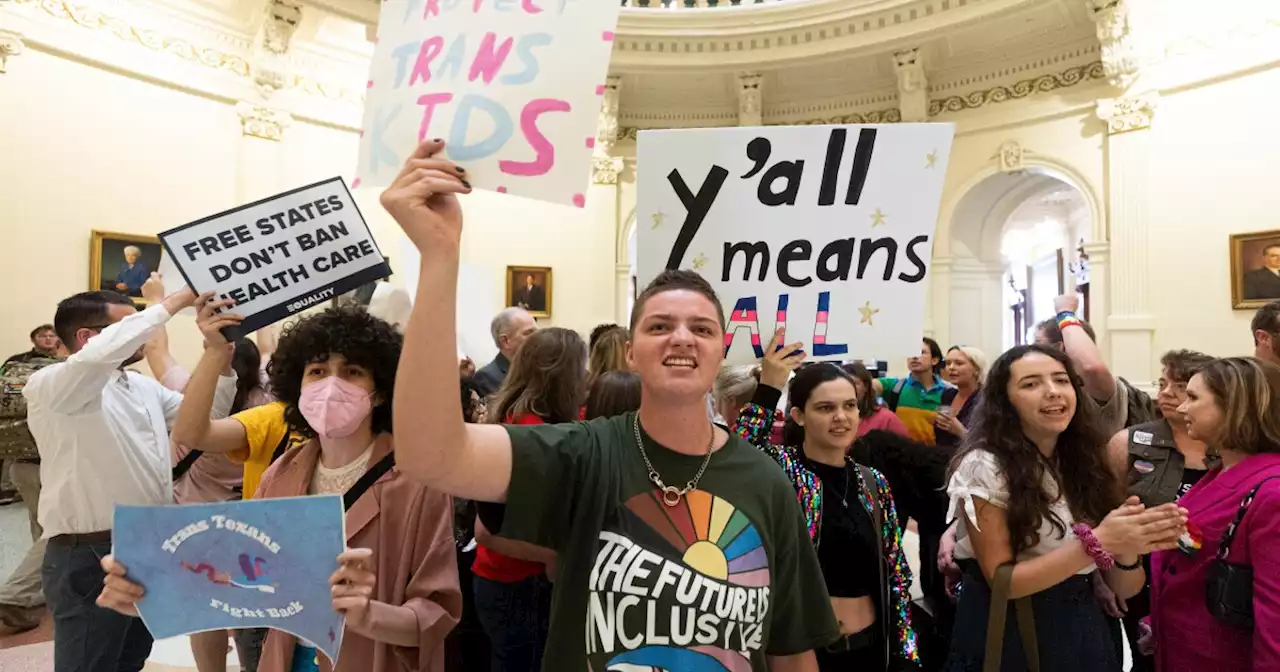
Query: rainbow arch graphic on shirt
711	535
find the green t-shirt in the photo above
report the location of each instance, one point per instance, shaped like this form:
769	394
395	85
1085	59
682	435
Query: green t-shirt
718	582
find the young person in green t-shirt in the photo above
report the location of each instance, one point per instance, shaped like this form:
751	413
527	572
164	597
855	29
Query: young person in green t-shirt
680	547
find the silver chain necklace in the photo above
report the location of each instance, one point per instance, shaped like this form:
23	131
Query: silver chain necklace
670	494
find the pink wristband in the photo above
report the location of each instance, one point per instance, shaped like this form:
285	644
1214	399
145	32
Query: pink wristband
1093	547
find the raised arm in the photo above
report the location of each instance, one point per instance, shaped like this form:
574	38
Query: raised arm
755	421
266	342
164	367
193	427
78	381
433	445
1084	353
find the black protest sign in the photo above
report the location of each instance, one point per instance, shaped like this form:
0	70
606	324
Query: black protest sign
280	255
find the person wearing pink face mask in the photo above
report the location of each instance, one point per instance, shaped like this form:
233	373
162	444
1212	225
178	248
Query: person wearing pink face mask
335	375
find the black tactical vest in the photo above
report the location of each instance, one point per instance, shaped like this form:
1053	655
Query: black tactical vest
1155	465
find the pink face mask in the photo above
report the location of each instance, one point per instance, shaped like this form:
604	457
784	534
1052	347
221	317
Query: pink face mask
334	408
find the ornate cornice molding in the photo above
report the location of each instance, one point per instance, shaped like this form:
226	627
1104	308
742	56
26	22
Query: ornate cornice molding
88	17
1133	113
1020	89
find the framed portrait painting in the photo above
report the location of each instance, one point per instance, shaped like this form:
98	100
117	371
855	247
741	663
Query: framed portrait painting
1255	269
529	287
121	262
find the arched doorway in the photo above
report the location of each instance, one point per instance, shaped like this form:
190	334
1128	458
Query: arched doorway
1013	241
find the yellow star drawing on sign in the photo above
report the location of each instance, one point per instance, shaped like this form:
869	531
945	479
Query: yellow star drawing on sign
930	159
867	313
657	218
699	261
877	218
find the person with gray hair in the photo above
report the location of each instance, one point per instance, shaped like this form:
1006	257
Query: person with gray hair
509	328
133	272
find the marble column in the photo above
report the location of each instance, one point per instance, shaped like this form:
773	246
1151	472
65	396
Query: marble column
1130	322
603	202
260	170
750	99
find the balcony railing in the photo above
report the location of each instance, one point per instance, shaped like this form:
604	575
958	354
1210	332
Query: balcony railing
690	4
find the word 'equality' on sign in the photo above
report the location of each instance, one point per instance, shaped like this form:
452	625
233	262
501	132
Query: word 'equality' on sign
508	84
832	224
280	255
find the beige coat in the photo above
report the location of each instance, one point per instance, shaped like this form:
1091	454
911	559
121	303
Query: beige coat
410	529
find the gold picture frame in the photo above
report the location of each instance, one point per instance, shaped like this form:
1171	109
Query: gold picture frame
106	252
536	297
1253	284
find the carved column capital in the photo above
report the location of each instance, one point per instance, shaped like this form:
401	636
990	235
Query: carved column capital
606	169
10	45
1120	54
750	99
1133	113
913	85
262	122
607	126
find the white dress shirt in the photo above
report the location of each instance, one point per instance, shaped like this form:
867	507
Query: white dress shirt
102	432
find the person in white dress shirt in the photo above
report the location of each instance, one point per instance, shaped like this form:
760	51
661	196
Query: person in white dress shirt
103	436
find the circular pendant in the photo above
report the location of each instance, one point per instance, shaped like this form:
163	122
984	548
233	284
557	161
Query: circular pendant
670	496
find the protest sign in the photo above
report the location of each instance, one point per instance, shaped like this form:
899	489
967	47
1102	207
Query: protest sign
512	86
824	231
280	255
262	563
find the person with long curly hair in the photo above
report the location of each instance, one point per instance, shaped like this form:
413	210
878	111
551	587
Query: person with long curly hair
1034	485
397	585
608	353
546	385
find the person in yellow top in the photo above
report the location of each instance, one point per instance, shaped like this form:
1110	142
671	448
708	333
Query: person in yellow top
266	436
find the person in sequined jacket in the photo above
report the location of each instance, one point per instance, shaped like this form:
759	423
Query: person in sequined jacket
848	508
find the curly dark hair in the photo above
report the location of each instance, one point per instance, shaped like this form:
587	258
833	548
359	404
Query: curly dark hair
1079	466
350	331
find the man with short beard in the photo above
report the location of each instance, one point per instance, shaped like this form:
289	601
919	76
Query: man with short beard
103	435
1266	333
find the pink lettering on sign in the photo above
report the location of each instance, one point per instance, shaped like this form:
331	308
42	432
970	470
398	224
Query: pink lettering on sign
591	143
600	90
528	6
369	85
428	102
432	9
426	53
355	184
579	200
488	61
501	190
608	36
544	152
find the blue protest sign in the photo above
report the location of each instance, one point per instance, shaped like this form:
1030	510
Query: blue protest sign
259	563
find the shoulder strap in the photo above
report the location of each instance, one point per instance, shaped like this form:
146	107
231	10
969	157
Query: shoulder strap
891	399
1224	548
877	516
996	616
184	465
351	496
280	447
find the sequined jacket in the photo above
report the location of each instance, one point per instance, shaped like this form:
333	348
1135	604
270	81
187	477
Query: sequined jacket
754	424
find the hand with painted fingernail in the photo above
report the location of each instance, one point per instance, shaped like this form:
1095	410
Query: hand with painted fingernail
423	198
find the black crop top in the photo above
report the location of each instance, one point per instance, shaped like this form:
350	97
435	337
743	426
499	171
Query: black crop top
848	539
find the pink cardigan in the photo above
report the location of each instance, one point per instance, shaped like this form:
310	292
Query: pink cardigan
884	419
1187	638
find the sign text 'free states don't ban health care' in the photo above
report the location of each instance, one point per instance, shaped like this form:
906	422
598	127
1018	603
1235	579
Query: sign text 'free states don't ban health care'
280	255
824	231
514	88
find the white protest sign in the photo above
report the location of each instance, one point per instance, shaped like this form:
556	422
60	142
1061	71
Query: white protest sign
280	255
825	231
512	86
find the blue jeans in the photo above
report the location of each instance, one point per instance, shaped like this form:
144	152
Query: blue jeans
515	616
86	637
